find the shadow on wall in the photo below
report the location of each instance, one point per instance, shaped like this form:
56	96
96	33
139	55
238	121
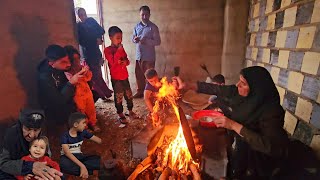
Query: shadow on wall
31	36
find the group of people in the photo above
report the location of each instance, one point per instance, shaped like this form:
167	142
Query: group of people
254	119
68	88
26	152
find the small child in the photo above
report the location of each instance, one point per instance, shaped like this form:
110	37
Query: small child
38	150
118	62
72	161
152	88
218	79
83	97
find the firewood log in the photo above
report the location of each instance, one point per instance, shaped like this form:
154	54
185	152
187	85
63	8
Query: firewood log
165	174
194	170
183	177
141	167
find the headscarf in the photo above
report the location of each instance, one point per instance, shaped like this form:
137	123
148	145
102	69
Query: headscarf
263	94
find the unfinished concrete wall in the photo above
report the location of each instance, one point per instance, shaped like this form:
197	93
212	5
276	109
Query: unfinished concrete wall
191	32
27	27
234	43
284	38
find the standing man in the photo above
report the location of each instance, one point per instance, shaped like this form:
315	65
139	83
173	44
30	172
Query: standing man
146	36
90	37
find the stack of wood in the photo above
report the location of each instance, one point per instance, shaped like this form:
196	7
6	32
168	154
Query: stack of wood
155	167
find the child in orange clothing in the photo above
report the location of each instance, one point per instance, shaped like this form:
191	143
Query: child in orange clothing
38	149
118	62
83	97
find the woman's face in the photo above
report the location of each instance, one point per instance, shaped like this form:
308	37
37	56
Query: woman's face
82	15
243	87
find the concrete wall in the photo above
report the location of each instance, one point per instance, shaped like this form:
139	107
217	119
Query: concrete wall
284	38
234	42
191	32
27	27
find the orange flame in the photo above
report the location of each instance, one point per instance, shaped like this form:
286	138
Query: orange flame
177	155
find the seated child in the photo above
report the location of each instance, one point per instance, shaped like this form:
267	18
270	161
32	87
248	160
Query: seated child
118	62
38	150
218	79
72	161
83	97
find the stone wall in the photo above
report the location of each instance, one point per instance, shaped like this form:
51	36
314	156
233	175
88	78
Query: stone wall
284	37
27	27
191	33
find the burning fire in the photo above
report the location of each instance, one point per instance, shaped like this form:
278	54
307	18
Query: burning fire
177	155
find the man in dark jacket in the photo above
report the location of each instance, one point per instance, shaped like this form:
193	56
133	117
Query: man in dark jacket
55	91
16	145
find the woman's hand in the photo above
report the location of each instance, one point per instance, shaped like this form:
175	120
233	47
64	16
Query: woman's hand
224	122
99	41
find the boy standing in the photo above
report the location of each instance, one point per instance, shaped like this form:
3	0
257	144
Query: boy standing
72	161
118	62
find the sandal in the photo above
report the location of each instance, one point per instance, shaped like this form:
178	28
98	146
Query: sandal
123	120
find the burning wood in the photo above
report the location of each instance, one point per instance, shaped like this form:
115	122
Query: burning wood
171	158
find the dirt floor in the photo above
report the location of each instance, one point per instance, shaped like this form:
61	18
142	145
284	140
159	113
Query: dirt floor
113	137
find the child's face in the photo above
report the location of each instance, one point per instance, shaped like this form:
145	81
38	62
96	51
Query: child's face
38	149
154	81
116	39
81	125
76	59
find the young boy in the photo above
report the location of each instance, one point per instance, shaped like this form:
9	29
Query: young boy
83	97
38	150
72	161
118	62
152	88
218	79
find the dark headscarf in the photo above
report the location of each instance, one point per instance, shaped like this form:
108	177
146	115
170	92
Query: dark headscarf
263	95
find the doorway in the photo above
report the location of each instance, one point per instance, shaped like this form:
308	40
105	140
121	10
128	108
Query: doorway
94	10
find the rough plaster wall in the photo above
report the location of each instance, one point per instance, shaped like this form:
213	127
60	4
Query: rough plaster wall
191	32
27	27
234	43
284	38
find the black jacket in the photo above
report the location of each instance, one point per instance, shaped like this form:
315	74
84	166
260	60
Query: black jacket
55	93
88	32
14	148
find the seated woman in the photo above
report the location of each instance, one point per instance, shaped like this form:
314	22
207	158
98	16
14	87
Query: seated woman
256	117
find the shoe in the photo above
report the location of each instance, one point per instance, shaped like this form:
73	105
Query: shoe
138	95
123	119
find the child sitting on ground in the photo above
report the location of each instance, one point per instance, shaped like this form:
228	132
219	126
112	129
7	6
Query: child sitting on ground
72	161
38	150
83	97
118	62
